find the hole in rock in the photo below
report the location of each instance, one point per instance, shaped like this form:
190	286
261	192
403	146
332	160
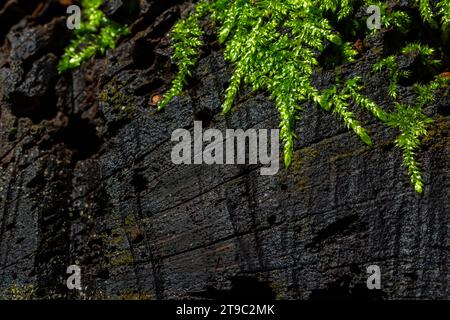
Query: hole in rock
139	182
205	116
153	86
271	219
143	54
81	136
444	110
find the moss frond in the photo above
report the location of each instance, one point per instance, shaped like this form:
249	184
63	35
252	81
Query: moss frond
412	123
96	34
444	11
186	39
424	52
426	12
390	63
391	19
430	13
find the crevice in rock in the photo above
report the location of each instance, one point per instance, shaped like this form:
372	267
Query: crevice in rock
143	54
80	135
338	226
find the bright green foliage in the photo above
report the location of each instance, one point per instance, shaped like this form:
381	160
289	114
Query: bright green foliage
399	20
442	8
340	102
186	41
412	123
390	63
423	52
410	120
444	11
426	12
353	88
276	46
96	34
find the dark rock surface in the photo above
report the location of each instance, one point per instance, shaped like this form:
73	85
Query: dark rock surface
86	178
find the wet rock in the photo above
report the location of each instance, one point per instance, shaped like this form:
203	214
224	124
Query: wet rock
34	97
122	11
29	42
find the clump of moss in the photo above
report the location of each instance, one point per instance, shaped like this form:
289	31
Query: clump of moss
423	53
413	123
21	292
276	46
122	258
120	103
96	34
130	220
441	12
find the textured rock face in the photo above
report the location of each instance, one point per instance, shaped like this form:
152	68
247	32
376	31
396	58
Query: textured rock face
87	179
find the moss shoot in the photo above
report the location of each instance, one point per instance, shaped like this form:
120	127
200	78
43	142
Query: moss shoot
96	34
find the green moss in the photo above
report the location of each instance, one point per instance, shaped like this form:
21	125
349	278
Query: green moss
413	124
122	258
96	34
281	291
129	220
259	39
429	15
20	292
121	104
423	53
